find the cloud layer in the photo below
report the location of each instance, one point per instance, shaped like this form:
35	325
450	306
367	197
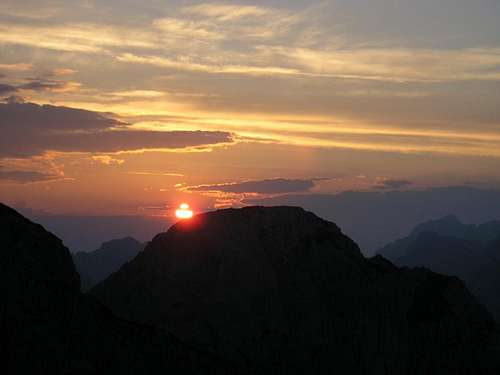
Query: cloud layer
29	129
267	186
25	176
388	184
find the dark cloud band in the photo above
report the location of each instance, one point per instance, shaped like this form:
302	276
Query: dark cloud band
392	184
29	129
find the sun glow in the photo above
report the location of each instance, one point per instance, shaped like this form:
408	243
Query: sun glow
183	212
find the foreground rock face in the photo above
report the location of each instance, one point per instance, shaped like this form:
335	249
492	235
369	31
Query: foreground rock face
38	289
95	266
278	289
48	327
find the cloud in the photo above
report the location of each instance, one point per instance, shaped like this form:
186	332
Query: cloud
50	85
393	64
138	94
62	72
25	177
7	89
187	64
268	186
187	29
107	160
226	12
41	85
76	37
392	184
30	129
147	173
18	67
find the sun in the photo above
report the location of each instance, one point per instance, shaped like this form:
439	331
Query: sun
183	212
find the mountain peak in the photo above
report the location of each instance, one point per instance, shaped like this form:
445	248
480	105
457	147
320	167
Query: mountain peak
282	290
447	225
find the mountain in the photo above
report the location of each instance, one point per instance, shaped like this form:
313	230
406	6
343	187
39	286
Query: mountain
375	218
88	232
48	327
95	266
279	290
38	288
447	246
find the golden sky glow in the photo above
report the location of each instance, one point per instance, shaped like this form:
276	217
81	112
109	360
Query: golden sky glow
300	96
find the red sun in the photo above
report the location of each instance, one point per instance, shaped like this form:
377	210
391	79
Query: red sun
183	212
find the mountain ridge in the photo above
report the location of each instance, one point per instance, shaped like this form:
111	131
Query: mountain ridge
447	246
48	327
96	265
281	290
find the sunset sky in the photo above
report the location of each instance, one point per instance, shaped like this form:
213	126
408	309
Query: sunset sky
132	107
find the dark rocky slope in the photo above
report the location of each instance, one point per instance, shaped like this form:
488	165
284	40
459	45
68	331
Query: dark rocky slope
38	290
48	327
280	290
95	266
470	252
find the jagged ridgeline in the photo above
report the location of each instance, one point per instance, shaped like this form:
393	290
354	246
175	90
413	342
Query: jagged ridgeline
279	290
48	327
252	291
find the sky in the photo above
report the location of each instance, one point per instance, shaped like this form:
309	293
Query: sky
132	107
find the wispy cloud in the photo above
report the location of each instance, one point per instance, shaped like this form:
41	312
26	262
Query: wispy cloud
62	72
138	94
77	37
386	184
149	173
189	65
395	64
50	85
226	12
188	29
18	67
268	186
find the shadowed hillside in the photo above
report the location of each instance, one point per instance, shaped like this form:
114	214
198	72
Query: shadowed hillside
447	246
283	291
48	327
95	266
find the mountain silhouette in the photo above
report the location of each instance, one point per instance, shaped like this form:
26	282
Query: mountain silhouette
359	213
48	327
447	246
279	290
95	266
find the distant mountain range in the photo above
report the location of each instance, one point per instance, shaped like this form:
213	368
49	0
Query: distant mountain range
87	233
373	219
447	246
280	291
95	266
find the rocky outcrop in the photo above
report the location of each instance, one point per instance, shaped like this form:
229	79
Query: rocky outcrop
280	290
48	327
95	266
